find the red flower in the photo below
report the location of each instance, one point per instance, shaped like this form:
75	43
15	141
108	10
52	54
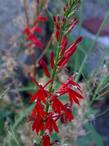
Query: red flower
38	110
43	64
38	124
57	105
64	43
52	59
68	88
68	115
31	37
45	140
29	31
69	52
72	96
51	125
35	40
57	33
40	19
40	94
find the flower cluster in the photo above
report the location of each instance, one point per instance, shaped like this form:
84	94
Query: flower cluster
30	32
49	109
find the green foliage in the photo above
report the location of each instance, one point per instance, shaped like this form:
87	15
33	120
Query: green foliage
92	137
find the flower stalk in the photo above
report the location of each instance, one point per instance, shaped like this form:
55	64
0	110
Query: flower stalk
49	109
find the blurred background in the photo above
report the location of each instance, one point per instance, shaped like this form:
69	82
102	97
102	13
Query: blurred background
90	62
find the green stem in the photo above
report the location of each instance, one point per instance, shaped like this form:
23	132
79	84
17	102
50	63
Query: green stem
53	76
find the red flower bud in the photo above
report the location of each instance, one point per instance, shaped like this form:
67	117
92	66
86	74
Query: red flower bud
57	34
58	18
40	19
52	59
69	52
54	18
44	66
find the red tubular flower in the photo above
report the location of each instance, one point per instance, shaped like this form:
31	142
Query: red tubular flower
57	105
38	124
64	43
40	94
29	31
38	109
51	125
72	97
36	29
68	88
45	140
52	59
69	52
44	66
68	115
40	19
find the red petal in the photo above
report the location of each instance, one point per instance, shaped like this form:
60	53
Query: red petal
40	19
57	105
46	140
54	18
27	31
68	115
72	97
51	125
34	96
78	95
55	127
43	64
38	125
37	29
34	80
72	48
35	41
63	61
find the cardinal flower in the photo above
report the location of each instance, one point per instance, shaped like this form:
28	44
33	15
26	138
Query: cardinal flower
41	93
68	115
38	110
69	52
40	19
44	66
30	35
35	41
50	125
72	89
37	124
57	105
45	140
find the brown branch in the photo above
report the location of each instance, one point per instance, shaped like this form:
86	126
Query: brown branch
26	8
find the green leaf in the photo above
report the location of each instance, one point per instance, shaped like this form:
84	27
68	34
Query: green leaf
94	135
